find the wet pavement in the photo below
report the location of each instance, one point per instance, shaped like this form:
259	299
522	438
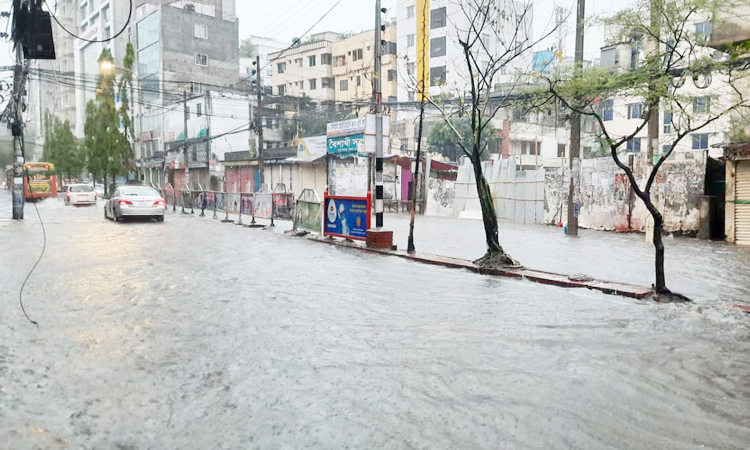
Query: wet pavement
193	334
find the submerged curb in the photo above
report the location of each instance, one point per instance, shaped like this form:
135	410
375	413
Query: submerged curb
537	276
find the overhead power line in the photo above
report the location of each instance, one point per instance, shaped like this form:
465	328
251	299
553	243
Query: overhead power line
130	15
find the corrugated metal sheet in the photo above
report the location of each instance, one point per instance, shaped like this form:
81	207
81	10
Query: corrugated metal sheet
742	210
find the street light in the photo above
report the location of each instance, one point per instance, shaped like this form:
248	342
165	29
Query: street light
106	66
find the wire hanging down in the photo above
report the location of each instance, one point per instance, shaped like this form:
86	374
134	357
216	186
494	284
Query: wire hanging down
124	27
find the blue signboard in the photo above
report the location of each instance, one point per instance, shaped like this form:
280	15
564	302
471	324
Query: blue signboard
347	217
346	145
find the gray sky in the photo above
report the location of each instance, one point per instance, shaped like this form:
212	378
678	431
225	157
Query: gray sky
287	19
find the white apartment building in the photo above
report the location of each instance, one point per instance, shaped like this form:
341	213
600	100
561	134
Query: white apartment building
447	66
306	69
97	20
265	47
622	115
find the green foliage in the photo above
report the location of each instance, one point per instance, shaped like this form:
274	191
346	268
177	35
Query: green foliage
248	49
61	147
108	150
444	140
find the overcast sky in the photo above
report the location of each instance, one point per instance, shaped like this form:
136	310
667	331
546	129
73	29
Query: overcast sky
286	19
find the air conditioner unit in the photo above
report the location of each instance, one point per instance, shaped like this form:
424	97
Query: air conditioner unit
189	7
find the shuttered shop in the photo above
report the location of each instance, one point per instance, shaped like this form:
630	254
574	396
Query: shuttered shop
742	203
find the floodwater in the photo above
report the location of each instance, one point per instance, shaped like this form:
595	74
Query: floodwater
193	334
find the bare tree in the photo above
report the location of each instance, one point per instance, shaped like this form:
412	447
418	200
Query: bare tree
495	41
674	69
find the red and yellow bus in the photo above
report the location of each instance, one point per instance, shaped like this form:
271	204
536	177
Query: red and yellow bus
39	180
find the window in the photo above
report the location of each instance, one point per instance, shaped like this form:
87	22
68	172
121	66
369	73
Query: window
635	111
201	31
527	147
340	61
437	18
667	122
313	84
344	85
701	104
280	67
326	59
437	46
607	110
298	61
411	69
187	111
311	61
359	80
389	48
281	88
700	141
269	122
201	60
665	148
392	75
199	110
561	150
410	11
486	40
357	54
610	57
105	13
437	76
704	29
634	145
411	40
635	52
326	83
411	95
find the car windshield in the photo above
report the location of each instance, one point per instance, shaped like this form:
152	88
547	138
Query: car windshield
83	188
139	192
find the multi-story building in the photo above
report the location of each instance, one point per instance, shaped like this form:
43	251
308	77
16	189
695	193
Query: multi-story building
306	69
98	20
263	48
353	66
183	48
446	65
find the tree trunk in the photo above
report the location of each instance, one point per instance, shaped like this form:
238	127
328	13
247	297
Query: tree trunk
495	255
660	286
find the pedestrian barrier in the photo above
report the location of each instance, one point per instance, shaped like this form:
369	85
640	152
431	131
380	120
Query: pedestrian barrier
308	212
283	202
263	205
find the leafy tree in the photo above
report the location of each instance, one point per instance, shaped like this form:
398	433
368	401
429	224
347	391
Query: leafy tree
443	139
61	147
248	49
674	71
108	151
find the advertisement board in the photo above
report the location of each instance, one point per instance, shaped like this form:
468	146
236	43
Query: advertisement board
346	145
346	217
307	215
246	203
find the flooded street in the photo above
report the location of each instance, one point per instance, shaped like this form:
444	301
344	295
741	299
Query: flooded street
193	334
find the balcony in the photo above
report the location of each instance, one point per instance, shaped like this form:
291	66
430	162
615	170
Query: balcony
730	30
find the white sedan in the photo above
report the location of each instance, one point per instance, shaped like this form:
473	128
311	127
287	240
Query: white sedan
135	201
80	194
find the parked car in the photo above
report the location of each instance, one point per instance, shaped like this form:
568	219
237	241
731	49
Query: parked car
99	188
79	194
135	201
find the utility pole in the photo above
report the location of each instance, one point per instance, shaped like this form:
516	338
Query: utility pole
185	147
574	162
653	118
16	108
376	99
259	119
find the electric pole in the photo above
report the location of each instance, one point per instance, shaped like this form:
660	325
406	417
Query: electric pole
653	118
185	113
376	99
16	107
574	161
259	119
